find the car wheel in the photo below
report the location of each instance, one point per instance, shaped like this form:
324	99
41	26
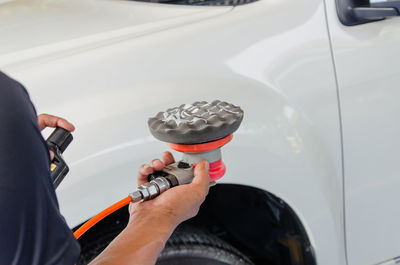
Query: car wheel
195	247
186	246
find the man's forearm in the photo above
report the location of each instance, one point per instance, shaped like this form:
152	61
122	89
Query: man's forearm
152	222
139	243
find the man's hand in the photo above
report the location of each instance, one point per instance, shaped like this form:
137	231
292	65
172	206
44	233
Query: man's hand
46	120
177	204
152	222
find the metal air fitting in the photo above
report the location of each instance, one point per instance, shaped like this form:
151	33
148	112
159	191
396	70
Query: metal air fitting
150	190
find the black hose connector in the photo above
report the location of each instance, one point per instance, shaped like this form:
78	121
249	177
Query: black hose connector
57	142
60	138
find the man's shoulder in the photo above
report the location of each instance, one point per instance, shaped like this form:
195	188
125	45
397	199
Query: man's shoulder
10	88
14	100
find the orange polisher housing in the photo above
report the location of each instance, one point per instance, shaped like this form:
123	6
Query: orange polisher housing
217	168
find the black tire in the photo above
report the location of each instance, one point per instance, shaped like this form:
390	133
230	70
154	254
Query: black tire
186	246
193	247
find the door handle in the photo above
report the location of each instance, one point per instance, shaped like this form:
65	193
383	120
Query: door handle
355	12
378	10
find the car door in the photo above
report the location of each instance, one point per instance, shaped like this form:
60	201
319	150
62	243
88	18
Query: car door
365	42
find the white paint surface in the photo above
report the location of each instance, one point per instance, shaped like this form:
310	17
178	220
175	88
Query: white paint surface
367	61
109	65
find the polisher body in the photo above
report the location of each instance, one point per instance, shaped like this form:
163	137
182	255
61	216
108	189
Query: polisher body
198	131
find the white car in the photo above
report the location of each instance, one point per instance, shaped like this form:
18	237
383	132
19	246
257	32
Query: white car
313	173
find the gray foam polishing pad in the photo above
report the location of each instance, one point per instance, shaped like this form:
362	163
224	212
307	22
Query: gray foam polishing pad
196	123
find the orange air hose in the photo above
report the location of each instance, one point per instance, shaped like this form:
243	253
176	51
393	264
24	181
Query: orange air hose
86	226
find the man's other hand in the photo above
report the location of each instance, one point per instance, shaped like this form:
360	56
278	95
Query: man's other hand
46	120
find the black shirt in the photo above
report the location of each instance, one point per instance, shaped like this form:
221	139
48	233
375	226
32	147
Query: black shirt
32	230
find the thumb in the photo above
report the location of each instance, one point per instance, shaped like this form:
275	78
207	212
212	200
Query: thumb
201	177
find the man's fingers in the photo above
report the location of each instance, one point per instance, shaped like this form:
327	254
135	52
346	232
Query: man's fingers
51	155
65	124
42	121
46	120
168	158
201	177
157	164
144	171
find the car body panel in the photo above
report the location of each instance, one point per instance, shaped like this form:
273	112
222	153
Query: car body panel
45	30
272	58
367	61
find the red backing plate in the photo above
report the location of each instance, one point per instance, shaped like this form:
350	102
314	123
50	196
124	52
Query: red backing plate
199	148
217	170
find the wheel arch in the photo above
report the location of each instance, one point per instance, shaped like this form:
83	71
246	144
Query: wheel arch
258	223
254	221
